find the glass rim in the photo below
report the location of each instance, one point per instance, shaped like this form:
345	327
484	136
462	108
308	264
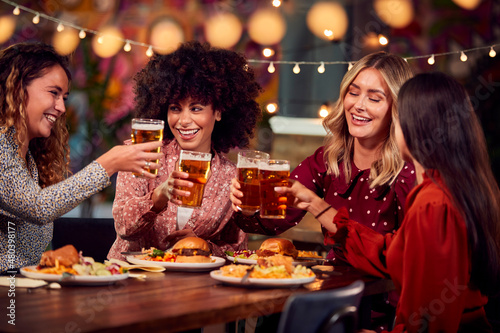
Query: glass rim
148	120
204	156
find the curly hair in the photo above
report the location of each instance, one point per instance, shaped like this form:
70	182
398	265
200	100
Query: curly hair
20	64
339	144
211	75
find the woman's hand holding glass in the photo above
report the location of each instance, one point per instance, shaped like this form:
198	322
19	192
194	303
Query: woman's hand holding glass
131	158
170	190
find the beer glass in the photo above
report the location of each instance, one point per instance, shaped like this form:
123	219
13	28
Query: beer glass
197	164
273	173
248	177
146	130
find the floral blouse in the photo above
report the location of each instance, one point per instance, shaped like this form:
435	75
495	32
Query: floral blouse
138	226
27	210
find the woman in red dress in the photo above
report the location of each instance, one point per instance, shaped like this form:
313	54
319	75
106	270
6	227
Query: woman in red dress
445	258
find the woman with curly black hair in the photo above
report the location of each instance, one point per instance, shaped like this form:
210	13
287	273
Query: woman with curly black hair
207	97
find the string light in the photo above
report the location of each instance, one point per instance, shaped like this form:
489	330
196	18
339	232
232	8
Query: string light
492	52
100	39
296	69
127	47
272	107
271	68
431	60
463	57
321	68
383	40
36	19
268	52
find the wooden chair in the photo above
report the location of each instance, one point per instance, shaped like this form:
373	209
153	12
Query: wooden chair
323	311
92	236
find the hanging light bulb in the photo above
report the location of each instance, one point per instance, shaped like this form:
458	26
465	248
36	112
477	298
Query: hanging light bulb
82	34
149	52
100	39
463	57
383	40
16	11
276	3
431	60
323	111
321	68
350	66
272	107
127	47
296	68
271	68
60	27
268	52
36	19
492	52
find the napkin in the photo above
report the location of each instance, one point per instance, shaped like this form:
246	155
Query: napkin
149	268
20	282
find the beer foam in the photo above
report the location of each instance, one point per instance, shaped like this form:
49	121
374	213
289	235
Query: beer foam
274	167
247	164
147	127
195	156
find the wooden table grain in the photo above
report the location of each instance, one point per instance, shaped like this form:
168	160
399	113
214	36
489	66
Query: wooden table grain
163	302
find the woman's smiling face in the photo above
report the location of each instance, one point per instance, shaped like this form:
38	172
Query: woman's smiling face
192	124
46	97
367	105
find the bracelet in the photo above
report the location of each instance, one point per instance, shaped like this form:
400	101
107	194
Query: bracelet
323	211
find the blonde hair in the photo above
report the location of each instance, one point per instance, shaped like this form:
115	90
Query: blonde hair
339	144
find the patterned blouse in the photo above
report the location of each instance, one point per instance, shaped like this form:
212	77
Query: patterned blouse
27	210
138	227
380	208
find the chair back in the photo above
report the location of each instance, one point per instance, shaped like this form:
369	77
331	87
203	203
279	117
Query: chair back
322	311
93	236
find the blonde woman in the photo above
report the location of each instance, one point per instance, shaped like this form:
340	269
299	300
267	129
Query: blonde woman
359	167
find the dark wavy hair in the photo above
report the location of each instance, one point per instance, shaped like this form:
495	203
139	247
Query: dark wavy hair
211	75
20	64
443	133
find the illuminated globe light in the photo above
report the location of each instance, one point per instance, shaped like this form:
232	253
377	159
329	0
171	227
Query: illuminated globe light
323	111
82	34
272	107
223	30
65	42
492	52
321	68
296	69
267	52
463	56
383	40
7	27
108	43
431	60
327	16
166	36
36	19
266	26
271	69
276	3
394	13
60	27
467	4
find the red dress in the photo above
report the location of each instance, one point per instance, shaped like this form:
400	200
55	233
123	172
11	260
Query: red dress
427	258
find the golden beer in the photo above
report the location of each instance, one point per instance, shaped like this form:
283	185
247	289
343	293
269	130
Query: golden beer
147	130
271	174
248	177
197	164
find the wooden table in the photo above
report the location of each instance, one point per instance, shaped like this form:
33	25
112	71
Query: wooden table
169	301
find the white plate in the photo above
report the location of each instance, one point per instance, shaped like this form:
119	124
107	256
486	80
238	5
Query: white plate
254	261
180	266
75	279
275	283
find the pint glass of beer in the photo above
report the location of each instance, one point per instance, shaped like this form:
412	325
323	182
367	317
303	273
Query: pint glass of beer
273	173
248	177
197	164
146	130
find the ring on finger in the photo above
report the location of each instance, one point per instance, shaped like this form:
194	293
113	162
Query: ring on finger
170	190
142	173
147	164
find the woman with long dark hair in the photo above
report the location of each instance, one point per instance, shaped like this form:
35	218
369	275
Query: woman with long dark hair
445	258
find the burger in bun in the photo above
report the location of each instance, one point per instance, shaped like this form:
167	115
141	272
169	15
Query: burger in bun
273	246
192	250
